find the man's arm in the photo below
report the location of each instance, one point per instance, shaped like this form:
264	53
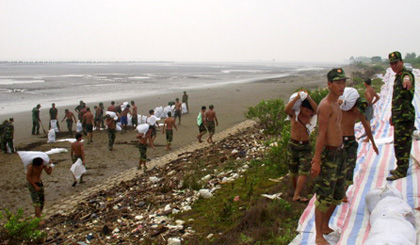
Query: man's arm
73	117
64	118
375	98
82	152
407	83
312	103
174	125
288	109
163	128
369	132
48	169
71	152
323	118
215	118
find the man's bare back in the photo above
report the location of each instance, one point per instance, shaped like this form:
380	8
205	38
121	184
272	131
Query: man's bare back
134	109
77	148
371	96
210	115
178	106
88	118
170	123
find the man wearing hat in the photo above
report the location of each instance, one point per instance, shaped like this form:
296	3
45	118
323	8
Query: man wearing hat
328	163
185	100
402	116
35	119
354	109
7	138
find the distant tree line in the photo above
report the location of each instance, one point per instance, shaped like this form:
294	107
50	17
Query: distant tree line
378	60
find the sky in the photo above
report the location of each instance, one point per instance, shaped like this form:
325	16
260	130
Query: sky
207	30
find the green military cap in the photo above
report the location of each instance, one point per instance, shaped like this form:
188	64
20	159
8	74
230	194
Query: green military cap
362	104
394	56
336	74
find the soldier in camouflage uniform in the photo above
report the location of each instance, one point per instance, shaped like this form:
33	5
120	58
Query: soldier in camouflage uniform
299	151
35	119
111	125
403	115
328	163
7	137
2	136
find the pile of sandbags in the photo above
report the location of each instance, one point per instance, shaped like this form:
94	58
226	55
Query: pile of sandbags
392	220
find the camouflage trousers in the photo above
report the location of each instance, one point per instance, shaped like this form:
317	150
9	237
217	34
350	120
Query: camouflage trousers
5	142
299	158
70	126
330	186
169	136
111	138
142	150
350	146
402	145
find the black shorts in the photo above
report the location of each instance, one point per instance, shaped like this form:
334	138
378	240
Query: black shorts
89	128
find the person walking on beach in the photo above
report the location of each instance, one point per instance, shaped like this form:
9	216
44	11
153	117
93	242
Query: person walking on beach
35	186
124	118
402	115
77	151
69	120
111	125
328	162
152	121
7	136
185	100
88	121
142	146
169	123
211	120
98	116
201	123
78	108
82	112
36	120
134	117
53	116
299	148
101	120
178	110
353	109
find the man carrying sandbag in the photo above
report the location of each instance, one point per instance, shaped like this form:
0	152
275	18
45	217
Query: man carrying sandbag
77	151
299	149
36	188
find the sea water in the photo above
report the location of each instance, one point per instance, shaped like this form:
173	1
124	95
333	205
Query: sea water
23	85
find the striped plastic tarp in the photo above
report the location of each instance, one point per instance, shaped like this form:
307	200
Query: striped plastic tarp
351	220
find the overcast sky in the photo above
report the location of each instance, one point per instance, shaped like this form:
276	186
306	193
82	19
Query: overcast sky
207	30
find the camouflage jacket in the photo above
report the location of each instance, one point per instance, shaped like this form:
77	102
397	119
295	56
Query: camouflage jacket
8	129
402	108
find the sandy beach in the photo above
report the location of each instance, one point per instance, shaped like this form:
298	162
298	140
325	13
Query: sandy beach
230	102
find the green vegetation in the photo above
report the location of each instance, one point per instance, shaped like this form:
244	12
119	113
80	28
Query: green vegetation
270	114
19	229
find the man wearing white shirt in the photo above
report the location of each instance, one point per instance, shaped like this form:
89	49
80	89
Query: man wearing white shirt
151	120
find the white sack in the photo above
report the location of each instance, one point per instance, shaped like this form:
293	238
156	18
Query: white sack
54	125
392	206
56	151
205	193
51	136
159	111
129	120
141	119
28	156
392	230
169	109
184	108
349	98
296	106
78	169
374	196
79	126
142	128
118	127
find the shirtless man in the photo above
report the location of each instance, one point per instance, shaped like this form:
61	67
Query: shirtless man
80	116
134	115
201	123
372	97
142	145
178	110
124	118
169	123
36	188
330	181
353	112
212	122
112	107
69	120
299	148
77	151
88	121
111	125
98	116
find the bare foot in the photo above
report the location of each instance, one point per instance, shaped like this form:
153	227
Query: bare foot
345	199
418	209
321	241
199	139
366	140
326	231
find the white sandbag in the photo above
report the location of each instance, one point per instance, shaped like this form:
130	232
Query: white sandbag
129	120
392	206
54	125
142	128
392	230
349	98
168	109
184	108
79	126
141	119
296	106
118	126
205	193
374	196
28	156
56	151
152	120
159	111
51	136
78	169
111	114
71	140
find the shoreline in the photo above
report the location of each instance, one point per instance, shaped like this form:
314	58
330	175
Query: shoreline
230	101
